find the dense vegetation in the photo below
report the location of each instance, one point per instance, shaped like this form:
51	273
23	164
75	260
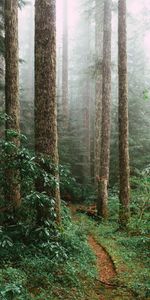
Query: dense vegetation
55	196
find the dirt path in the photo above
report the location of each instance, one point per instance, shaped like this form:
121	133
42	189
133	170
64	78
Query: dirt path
105	265
105	288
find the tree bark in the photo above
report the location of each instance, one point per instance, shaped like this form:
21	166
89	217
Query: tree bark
99	10
45	89
123	116
102	203
12	94
86	109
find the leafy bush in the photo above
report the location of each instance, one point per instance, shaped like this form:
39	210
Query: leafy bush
36	259
12	284
42	268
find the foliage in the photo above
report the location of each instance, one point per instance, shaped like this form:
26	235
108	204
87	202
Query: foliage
129	250
71	190
140	203
43	269
38	259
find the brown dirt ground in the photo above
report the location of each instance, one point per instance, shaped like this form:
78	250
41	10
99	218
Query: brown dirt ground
104	263
106	288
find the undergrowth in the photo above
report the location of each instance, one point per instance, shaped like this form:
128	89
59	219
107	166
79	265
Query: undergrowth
39	260
55	269
129	249
51	262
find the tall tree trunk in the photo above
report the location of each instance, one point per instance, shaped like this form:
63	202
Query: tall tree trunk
123	116
99	10
45	88
102	203
86	110
1	55
65	107
12	93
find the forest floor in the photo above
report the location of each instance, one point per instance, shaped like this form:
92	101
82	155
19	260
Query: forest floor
113	282
86	259
105	267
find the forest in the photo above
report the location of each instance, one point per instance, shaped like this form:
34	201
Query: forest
74	149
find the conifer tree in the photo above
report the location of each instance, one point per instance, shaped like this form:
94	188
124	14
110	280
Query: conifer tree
123	116
65	108
45	90
102	203
98	84
12	94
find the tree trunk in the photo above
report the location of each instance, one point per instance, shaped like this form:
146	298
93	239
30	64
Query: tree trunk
123	117
12	94
102	203
86	110
45	89
65	65
98	86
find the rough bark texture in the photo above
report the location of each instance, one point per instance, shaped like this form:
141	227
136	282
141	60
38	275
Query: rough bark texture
45	87
102	206
65	107
98	85
123	116
86	112
12	92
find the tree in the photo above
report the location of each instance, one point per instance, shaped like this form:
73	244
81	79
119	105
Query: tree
65	107
86	105
138	95
63	88
123	116
98	84
45	90
12	93
27	73
102	205
2	55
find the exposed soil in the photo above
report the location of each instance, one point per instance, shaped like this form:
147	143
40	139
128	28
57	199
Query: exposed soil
106	288
105	265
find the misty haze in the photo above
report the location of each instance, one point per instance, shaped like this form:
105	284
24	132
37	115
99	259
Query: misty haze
75	149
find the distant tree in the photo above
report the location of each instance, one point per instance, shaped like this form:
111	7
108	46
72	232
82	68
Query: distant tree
138	86
86	104
102	203
123	116
12	93
45	91
26	73
63	88
65	107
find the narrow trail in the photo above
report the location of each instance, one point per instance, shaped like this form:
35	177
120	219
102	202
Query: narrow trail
106	289
105	265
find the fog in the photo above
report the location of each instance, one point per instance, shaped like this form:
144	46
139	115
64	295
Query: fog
81	58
